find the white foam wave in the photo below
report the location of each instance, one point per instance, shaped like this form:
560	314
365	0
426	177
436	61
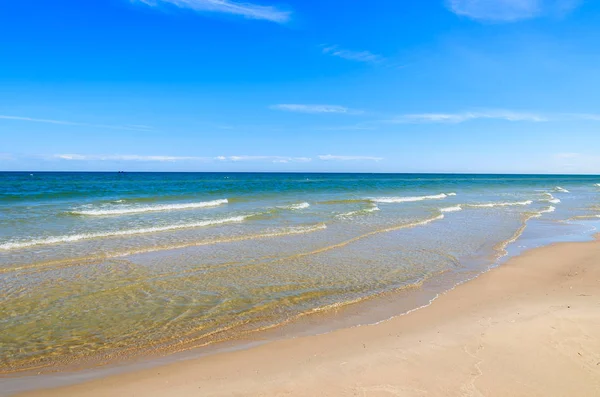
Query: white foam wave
506	204
452	209
597	184
551	199
545	211
560	189
427	221
391	200
295	230
359	212
293	207
151	208
117	233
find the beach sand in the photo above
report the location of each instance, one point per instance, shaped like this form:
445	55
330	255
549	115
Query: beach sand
530	327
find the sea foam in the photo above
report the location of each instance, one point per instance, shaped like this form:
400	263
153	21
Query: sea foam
116	233
359	212
293	207
150	208
452	209
545	211
560	189
503	204
408	199
551	199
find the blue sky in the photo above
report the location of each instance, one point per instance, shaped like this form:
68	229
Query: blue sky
378	86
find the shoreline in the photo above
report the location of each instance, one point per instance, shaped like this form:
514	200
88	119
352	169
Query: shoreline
441	338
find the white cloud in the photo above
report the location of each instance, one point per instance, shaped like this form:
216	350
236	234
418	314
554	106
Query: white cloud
141	158
510	10
127	157
466	116
329	157
72	123
274	159
315	109
247	10
359	56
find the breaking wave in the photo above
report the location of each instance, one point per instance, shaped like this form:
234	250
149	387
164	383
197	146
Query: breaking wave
551	199
452	209
408	199
359	212
150	208
545	211
504	204
116	233
294	207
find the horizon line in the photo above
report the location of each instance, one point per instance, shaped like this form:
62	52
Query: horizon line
307	172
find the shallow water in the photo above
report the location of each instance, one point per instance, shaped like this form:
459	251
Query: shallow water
96	267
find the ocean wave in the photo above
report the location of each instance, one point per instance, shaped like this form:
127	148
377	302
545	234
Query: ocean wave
359	212
560	189
503	204
272	233
348	201
117	233
408	199
295	207
150	208
597	185
424	222
584	217
545	211
452	209
550	198
283	232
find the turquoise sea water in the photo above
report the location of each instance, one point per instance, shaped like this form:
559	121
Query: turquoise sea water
99	266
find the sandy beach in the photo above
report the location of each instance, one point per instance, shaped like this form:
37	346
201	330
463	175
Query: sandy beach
527	328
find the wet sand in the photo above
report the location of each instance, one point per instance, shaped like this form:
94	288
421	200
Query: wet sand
528	328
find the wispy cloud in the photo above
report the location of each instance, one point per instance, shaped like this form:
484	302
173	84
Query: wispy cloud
77	124
506	115
329	157
232	159
358	56
510	10
274	159
466	116
126	157
314	109
247	10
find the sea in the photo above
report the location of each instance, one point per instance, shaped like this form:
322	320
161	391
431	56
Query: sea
101	267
